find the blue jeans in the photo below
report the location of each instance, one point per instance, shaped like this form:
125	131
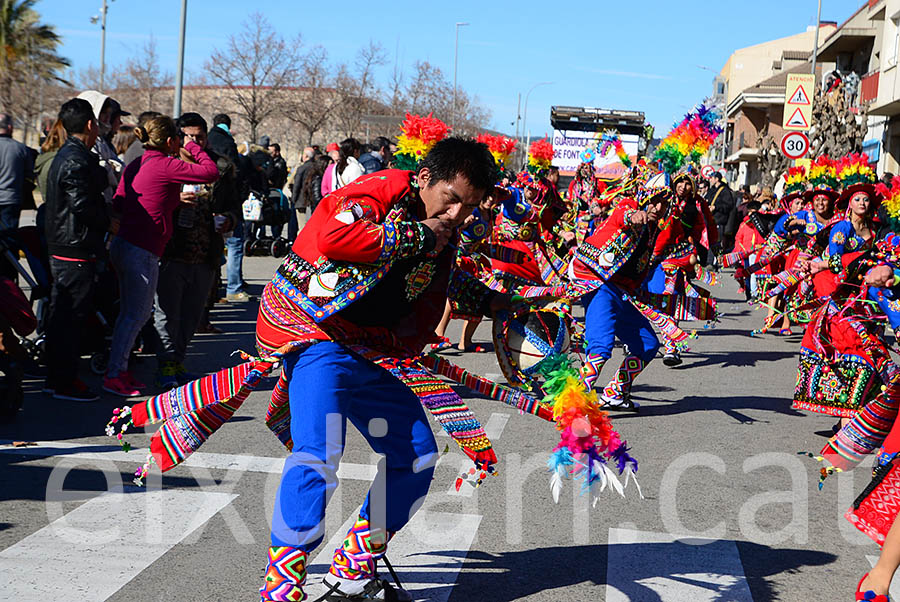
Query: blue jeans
328	385
233	267
138	272
608	316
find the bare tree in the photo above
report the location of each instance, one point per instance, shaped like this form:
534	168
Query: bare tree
144	79
837	130
429	91
312	107
255	68
771	162
358	88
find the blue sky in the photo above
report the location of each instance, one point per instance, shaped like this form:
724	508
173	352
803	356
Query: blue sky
637	55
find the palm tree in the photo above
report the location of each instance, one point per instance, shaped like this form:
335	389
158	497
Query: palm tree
27	50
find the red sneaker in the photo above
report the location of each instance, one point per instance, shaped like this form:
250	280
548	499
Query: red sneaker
119	386
134	383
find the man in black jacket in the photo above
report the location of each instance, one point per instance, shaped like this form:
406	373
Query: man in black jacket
724	211
76	224
220	141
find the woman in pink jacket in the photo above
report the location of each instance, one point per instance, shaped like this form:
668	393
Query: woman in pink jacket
148	193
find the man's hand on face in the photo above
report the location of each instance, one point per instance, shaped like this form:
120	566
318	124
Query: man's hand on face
442	232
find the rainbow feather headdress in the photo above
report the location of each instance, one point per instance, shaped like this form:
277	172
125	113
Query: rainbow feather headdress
689	140
794	181
854	169
501	148
822	176
540	154
611	140
418	136
891	198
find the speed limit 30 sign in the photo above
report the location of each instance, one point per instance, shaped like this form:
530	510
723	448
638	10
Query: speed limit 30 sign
795	145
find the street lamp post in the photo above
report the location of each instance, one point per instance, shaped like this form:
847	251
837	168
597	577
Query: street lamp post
525	116
455	65
816	39
179	75
102	19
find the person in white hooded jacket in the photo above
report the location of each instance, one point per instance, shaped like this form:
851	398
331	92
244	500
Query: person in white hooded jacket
109	115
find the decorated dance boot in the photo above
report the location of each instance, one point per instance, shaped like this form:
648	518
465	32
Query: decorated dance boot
672	355
616	394
285	575
590	371
353	574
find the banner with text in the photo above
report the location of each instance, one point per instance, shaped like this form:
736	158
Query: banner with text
568	144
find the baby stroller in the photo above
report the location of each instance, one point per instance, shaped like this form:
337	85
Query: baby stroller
17	319
273	210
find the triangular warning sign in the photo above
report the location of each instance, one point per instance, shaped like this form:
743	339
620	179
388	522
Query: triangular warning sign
799	97
797	120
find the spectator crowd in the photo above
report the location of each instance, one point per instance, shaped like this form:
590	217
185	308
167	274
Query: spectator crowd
139	217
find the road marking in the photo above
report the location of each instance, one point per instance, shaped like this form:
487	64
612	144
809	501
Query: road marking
211	461
894	590
642	565
427	553
94	550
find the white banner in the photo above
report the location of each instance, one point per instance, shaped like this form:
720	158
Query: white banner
568	144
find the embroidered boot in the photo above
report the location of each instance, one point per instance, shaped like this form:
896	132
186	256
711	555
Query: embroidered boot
672	356
285	575
590	371
617	393
353	573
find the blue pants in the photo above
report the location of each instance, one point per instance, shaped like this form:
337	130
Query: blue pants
328	385
138	272
607	316
233	268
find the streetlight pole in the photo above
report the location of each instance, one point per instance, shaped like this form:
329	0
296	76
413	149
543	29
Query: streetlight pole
816	39
455	65
102	44
179	75
525	117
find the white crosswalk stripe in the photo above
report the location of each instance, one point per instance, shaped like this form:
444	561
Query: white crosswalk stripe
93	551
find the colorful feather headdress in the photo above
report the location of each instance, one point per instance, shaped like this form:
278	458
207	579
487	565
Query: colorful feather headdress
611	140
418	136
891	197
501	148
795	181
689	140
822	174
854	169
540	154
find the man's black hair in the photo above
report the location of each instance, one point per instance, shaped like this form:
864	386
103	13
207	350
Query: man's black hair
381	142
75	115
222	118
276	146
191	120
753	206
453	157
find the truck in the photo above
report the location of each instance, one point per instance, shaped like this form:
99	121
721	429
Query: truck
577	128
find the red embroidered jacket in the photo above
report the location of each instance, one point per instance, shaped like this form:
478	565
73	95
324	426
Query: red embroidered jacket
618	251
362	270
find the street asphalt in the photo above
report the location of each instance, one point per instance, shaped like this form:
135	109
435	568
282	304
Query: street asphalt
730	510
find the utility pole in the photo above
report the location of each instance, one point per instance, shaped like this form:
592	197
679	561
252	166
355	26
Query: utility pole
102	44
518	116
179	74
455	65
816	39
